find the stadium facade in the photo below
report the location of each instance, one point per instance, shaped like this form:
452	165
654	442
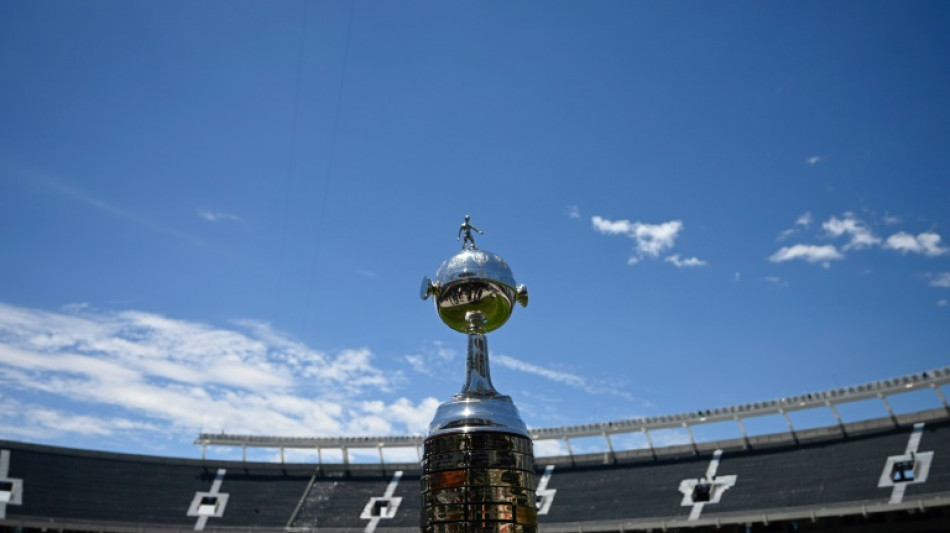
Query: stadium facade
882	474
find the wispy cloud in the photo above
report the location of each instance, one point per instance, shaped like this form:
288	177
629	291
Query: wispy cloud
806	252
559	376
651	239
861	235
433	358
686	262
813	160
942	303
152	373
574	212
802	222
37	422
530	368
218	216
84	197
941	279
924	243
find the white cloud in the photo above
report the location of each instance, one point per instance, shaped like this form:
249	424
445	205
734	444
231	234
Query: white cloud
217	216
549	448
942	303
809	253
154	374
554	375
861	235
559	376
924	243
651	239
574	212
37	422
688	262
813	160
433	359
891	220
941	279
803	221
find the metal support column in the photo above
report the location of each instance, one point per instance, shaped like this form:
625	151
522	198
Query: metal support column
943	399
837	417
649	441
791	428
745	436
890	411
692	439
610	447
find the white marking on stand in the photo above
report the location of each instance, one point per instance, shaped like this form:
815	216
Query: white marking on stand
920	461
15	494
546	494
718	485
387	512
221	501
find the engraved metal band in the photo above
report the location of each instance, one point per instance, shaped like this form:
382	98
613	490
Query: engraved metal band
480	481
478	459
479	441
478	477
514	495
482	512
481	527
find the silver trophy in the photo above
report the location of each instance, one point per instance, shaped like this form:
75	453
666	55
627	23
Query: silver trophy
478	464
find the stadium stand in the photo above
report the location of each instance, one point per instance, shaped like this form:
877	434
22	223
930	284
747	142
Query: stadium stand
880	475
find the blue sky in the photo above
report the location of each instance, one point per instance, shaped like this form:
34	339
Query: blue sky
215	215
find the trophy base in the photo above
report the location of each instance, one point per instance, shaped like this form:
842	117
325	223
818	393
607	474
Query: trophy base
471	412
480	481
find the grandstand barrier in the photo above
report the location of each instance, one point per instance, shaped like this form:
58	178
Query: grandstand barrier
823	400
872	476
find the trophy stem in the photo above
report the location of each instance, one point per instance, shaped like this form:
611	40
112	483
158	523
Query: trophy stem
477	371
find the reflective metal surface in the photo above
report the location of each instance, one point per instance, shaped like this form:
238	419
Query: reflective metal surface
467	228
478	407
480	481
478	465
474	281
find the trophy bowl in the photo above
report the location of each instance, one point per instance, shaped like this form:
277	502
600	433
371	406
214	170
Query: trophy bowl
474	281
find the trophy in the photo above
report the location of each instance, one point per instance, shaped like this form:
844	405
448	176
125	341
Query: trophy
478	463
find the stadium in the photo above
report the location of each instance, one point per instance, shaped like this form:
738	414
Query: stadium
881	474
733	217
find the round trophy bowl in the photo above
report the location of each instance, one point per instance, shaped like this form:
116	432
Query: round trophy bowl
474	281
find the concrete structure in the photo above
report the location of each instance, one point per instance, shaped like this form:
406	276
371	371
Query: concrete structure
886	474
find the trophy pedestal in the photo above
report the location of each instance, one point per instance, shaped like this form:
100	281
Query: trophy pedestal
478	462
482	481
